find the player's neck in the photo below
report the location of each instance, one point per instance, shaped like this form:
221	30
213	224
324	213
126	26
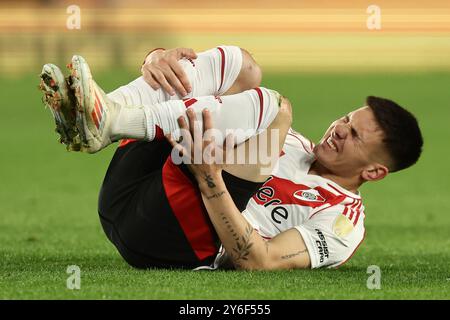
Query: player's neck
350	184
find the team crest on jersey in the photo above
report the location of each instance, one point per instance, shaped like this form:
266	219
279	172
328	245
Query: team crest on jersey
309	195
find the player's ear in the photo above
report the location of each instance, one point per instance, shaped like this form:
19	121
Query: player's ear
374	172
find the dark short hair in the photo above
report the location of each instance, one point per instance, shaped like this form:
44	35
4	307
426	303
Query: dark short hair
402	137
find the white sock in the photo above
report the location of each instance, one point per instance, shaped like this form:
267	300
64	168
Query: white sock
252	111
130	124
137	93
212	73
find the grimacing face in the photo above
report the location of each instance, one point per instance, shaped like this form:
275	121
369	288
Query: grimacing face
352	144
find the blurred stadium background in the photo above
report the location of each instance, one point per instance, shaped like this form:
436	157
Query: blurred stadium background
284	35
318	53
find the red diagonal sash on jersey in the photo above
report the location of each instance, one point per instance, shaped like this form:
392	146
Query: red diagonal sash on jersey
288	192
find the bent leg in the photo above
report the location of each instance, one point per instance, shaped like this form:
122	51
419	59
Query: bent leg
218	71
251	111
152	211
137	214
130	165
260	153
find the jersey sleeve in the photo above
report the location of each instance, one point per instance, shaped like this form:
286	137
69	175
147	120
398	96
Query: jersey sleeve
330	237
214	71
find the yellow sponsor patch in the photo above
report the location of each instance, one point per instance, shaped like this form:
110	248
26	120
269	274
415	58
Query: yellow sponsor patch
342	226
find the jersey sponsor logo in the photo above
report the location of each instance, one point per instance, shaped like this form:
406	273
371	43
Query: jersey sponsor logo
342	226
322	246
265	195
279	212
309	195
285	192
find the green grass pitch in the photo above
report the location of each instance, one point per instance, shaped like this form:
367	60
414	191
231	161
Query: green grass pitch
48	203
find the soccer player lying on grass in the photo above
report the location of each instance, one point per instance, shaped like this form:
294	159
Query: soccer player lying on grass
308	213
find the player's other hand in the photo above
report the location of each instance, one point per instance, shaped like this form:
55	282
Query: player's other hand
198	147
161	68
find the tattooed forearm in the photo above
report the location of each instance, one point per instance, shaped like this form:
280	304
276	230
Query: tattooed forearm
229	227
215	195
292	255
209	181
241	250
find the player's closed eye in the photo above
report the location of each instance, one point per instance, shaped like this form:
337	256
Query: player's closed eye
353	131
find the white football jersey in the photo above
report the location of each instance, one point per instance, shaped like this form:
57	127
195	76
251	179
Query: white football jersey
329	218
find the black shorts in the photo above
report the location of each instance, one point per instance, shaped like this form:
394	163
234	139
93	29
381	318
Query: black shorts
152	210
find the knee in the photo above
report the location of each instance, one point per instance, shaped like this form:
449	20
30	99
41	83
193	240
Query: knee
285	112
249	77
251	74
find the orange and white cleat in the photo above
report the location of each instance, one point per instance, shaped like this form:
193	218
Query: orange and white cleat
94	110
61	103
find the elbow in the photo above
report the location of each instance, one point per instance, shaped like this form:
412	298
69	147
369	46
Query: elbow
253	264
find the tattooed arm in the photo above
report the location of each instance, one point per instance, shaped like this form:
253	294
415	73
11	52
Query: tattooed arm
247	249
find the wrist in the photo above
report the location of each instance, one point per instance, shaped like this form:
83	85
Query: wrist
152	51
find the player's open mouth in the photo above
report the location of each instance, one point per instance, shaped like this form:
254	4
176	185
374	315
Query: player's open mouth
331	143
